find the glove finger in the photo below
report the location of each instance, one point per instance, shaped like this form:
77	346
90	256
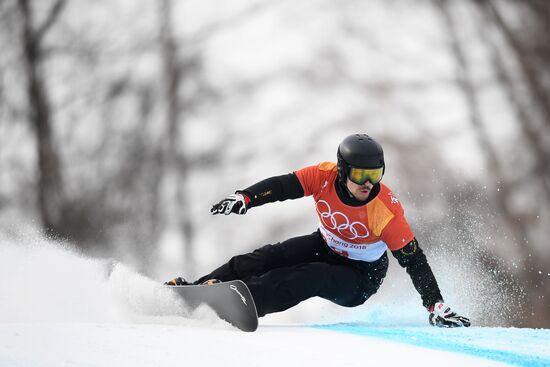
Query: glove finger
453	323
438	321
458	321
464	321
216	208
219	208
242	209
447	324
441	322
226	207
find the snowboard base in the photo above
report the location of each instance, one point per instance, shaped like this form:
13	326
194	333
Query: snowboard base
231	301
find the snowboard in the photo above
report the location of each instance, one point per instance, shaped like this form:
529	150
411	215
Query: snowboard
231	301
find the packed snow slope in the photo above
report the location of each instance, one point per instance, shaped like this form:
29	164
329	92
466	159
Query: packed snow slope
59	309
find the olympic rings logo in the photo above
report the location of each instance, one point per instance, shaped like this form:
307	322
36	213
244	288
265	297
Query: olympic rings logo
340	222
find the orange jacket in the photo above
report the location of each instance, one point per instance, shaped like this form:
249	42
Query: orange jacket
357	232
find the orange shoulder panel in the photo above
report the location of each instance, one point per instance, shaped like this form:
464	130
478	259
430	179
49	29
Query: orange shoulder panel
327	166
379	216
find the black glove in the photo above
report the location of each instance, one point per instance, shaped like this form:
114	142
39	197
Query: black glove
234	203
441	315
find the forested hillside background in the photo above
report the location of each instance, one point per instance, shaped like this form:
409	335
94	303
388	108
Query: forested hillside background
122	122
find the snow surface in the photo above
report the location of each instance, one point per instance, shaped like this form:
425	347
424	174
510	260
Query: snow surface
60	309
80	344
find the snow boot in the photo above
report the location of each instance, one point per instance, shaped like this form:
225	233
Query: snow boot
178	281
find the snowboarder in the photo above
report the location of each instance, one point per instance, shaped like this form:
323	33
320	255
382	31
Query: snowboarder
345	260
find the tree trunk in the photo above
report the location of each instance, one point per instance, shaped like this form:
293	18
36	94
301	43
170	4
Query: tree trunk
175	164
50	185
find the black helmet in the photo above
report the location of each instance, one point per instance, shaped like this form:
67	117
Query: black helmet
359	151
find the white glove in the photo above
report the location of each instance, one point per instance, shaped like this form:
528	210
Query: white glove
234	203
441	315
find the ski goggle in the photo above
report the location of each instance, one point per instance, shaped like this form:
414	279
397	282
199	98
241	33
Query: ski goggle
362	175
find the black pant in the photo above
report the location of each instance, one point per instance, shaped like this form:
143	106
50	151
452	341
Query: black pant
282	275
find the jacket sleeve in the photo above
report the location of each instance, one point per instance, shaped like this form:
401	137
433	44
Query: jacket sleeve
277	188
412	258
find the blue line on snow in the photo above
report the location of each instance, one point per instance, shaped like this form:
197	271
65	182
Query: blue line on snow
468	341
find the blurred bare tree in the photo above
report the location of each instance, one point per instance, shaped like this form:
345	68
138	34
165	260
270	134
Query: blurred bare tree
532	117
50	190
527	40
175	165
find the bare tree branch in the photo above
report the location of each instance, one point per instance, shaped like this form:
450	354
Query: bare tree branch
236	20
525	122
50	19
527	67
